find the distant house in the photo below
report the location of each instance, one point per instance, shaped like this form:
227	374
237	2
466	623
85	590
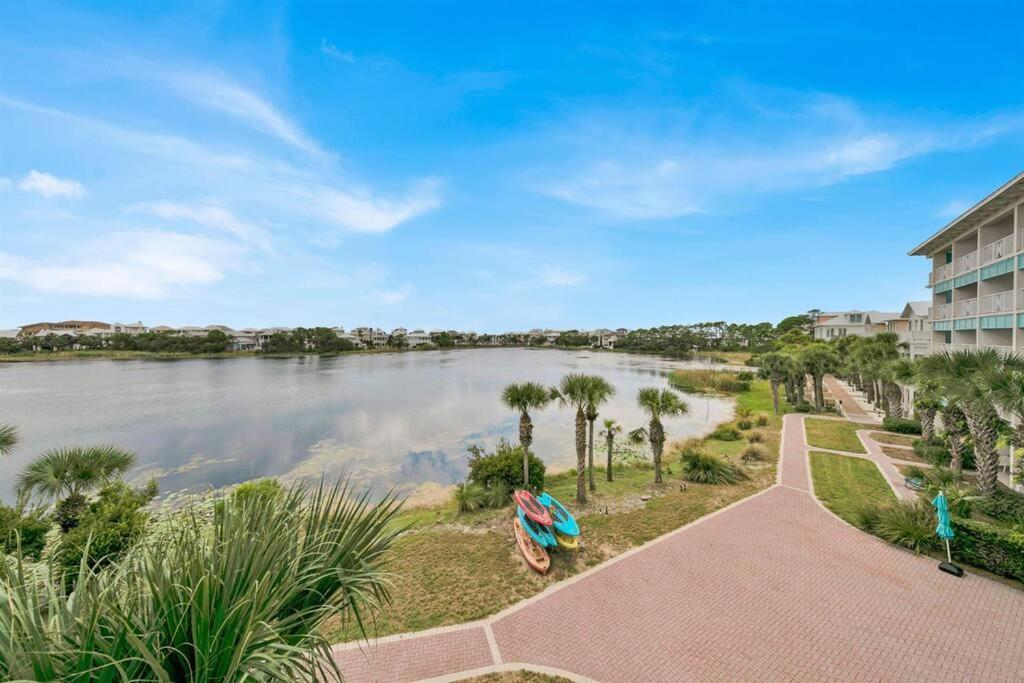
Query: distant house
72	327
914	328
417	338
833	325
128	328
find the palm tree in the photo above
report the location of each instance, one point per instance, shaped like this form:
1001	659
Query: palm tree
927	401
962	376
898	373
610	431
818	360
573	391
657	403
65	472
599	391
1007	391
775	367
8	439
524	398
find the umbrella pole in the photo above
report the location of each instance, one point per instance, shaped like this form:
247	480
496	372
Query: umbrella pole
949	557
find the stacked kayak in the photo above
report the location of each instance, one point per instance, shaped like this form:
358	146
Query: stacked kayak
542	522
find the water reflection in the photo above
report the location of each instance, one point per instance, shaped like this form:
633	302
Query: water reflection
390	419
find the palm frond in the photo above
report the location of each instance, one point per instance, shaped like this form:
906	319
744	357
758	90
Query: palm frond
8	439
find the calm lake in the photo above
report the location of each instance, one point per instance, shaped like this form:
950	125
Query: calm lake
403	419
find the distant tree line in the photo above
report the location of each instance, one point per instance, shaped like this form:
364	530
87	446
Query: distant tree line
214	341
307	339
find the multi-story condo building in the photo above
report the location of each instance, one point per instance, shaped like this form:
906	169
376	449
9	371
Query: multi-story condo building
976	275
832	325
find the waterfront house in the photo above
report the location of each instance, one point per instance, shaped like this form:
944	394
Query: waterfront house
417	338
72	327
833	325
975	276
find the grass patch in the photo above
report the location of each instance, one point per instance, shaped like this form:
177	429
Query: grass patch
834	435
522	676
903	454
451	568
709	381
894	439
845	483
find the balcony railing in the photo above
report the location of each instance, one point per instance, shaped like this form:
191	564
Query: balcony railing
997	250
939	274
966	264
967	307
997	303
945	311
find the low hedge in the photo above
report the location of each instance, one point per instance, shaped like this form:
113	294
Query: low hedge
989	547
901	425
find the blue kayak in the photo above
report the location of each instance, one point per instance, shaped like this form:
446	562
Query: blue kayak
564	522
538	532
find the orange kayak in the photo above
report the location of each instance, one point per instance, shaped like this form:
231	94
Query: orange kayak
535	555
532	507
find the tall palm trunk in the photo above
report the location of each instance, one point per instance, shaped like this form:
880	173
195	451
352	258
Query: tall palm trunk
879	394
926	415
610	440
981	420
590	455
869	392
800	389
775	396
525	439
819	392
895	400
657	436
953	420
581	457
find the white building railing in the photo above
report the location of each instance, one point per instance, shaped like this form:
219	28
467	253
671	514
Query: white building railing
997	303
941	273
967	307
966	264
945	311
997	250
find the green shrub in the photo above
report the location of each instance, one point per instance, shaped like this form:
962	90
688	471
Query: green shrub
25	528
802	407
911	525
262	489
762	420
864	515
1003	505
997	550
704	468
941	478
745	376
754	453
498	495
744	424
901	425
108	528
726	433
470	496
505	464
67	511
755	437
915	472
704	381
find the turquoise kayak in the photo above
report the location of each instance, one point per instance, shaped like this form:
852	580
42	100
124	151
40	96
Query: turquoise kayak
538	532
563	521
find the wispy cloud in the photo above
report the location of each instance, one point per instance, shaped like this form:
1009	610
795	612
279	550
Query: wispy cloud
51	186
208	215
130	265
331	50
551	276
672	163
953	209
360	211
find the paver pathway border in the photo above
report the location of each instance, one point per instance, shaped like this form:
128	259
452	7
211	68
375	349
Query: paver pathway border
814	645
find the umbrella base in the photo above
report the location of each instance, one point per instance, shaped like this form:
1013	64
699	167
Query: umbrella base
951	568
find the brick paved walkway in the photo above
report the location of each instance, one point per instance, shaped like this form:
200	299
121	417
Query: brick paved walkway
771	588
851	406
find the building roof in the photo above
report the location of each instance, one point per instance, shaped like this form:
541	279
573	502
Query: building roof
988	208
842	318
917	309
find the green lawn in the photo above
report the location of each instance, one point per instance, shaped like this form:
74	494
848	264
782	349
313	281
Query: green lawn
845	483
833	434
894	439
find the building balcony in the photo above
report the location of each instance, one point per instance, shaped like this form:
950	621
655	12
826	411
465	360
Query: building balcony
997	250
997	303
941	273
967	263
945	311
966	308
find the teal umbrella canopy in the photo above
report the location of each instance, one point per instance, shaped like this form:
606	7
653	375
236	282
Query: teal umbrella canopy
944	530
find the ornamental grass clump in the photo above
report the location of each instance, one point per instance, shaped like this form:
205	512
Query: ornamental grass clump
907	524
240	597
703	468
754	453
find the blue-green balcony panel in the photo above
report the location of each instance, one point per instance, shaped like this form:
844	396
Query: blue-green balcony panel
944	286
946	325
997	322
965	279
997	268
1020	320
1020	261
965	324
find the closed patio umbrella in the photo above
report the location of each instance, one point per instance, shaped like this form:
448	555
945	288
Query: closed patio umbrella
945	531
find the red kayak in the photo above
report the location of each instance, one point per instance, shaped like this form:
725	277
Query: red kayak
535	556
533	509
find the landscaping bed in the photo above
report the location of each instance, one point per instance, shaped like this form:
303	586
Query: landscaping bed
903	454
836	435
894	439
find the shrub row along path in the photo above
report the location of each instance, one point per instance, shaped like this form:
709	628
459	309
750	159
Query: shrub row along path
772	587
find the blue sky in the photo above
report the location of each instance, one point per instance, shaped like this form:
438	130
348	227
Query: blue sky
491	165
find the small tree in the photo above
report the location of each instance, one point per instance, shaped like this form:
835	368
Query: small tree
573	391
610	431
818	360
657	403
598	392
524	398
776	368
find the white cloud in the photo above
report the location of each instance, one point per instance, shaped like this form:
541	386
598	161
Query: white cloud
5	184
131	265
550	276
360	211
51	186
953	209
208	215
331	50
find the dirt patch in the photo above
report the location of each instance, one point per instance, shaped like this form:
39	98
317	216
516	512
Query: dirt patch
903	454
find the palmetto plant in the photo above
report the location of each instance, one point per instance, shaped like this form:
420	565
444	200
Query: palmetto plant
611	430
775	367
243	600
1007	391
657	403
8	439
62	472
573	391
598	392
524	398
